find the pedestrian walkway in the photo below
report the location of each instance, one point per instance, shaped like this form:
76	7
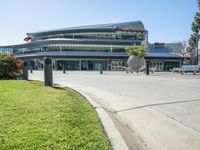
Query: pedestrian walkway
158	112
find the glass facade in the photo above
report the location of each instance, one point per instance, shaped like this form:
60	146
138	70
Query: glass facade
96	38
73	47
118	35
6	50
107	64
83	64
105	42
165	64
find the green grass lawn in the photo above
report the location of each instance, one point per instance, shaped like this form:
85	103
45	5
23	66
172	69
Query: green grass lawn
36	117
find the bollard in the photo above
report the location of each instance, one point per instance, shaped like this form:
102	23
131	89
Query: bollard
147	68
48	72
25	71
63	68
31	69
101	69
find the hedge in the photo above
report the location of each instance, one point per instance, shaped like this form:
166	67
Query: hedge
10	67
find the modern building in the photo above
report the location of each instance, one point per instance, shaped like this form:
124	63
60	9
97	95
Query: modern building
4	50
89	47
162	56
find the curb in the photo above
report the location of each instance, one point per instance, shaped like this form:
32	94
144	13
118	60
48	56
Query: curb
110	128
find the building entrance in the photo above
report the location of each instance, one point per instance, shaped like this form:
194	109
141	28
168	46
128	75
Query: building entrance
91	65
170	65
157	65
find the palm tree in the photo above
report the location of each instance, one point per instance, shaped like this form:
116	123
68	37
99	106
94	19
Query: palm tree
194	39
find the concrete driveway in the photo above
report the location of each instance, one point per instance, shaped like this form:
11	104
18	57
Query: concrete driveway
158	112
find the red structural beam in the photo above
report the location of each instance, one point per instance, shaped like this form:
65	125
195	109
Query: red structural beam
27	39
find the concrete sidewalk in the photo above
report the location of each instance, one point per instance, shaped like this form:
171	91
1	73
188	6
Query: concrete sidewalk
159	111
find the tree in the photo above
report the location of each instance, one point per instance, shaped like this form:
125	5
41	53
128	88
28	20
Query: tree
194	38
139	51
184	51
191	49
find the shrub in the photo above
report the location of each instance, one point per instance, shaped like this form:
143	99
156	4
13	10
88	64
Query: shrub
10	67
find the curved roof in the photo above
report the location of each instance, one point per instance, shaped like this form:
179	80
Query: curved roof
159	49
134	25
40	43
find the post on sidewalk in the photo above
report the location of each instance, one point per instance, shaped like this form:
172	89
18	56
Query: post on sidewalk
25	71
31	69
147	68
63	68
101	69
48	72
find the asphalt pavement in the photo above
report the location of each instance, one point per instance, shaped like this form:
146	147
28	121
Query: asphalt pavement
158	112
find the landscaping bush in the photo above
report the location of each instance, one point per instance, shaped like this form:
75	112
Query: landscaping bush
10	67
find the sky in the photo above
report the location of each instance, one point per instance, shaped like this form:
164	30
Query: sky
166	20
